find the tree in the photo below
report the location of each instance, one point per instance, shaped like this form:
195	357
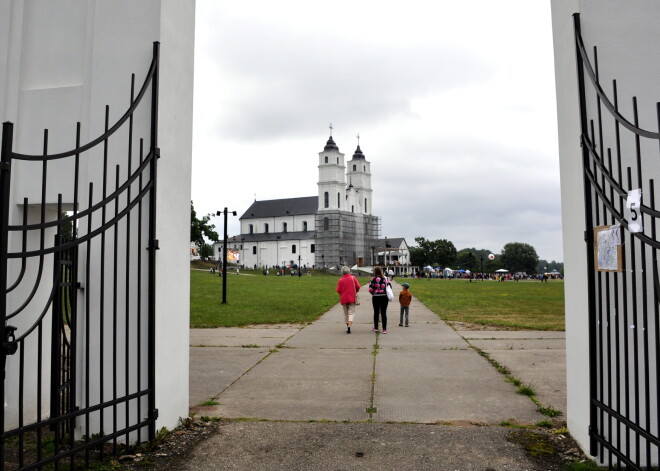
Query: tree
544	266
200	228
467	260
518	256
436	253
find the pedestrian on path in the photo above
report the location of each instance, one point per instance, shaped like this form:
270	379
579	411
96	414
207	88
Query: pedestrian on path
378	289
405	296
347	287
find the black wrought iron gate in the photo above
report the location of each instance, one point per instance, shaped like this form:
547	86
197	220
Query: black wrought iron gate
77	291
619	158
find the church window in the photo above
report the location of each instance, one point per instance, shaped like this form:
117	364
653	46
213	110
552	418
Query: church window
326	200
293	248
304	225
251	229
313	248
254	250
365	205
266	228
326	224
337	160
338	200
354	168
352	208
326	159
284	227
364	168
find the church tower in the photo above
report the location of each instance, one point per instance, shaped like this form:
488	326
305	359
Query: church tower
332	177
359	180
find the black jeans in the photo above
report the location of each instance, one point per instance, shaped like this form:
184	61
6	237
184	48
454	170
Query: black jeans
380	307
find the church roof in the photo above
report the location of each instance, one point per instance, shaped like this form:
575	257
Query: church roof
358	153
330	145
283	207
270	236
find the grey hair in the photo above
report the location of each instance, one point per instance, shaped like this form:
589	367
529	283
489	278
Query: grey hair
345	270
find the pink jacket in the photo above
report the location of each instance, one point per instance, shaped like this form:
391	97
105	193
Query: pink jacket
347	286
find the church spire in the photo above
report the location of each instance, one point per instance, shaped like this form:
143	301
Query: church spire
330	145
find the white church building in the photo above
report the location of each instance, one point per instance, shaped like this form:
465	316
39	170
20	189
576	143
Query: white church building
334	228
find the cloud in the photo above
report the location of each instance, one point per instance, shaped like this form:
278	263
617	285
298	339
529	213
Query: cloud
286	85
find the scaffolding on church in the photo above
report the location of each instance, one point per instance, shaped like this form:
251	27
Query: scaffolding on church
344	238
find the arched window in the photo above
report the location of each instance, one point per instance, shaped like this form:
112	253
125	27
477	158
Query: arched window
338	200
354	167
284	226
326	224
364	168
313	248
266	228
251	229
352	208
304	225
337	160
326	159
326	200
254	250
293	248
365	205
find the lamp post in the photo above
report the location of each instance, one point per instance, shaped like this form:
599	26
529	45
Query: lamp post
243	251
224	254
299	267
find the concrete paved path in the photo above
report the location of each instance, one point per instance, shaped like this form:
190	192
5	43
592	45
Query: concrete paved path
425	373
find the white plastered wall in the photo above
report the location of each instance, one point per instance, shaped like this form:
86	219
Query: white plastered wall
627	37
62	61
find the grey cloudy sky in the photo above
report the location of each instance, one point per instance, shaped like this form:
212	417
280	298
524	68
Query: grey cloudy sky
454	103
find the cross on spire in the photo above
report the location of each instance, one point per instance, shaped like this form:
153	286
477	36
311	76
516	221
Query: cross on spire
358	138
330	129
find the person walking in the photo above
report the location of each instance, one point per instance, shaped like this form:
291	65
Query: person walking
405	296
378	289
347	287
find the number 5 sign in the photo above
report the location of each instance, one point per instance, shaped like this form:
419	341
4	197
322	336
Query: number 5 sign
633	213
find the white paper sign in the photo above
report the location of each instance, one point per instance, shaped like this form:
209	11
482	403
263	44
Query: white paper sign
633	206
608	241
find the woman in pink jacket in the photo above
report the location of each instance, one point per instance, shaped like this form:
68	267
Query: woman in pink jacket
347	287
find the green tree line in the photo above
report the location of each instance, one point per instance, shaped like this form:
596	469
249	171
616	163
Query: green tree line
515	257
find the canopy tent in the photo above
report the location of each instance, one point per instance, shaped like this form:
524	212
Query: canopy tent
501	270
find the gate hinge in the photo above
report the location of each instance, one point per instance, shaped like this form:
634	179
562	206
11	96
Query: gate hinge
154	245
157	152
155	414
5	166
9	344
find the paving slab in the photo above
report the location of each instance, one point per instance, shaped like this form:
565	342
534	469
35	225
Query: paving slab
239	336
213	369
544	370
511	334
302	384
445	385
515	344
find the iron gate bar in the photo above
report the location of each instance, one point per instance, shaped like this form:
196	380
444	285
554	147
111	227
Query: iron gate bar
63	299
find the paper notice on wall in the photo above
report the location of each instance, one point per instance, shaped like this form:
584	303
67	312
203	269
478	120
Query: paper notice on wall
608	248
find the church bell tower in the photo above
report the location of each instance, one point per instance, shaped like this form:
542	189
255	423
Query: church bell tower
332	177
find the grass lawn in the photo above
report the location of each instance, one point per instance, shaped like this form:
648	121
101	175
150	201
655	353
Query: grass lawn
259	299
524	305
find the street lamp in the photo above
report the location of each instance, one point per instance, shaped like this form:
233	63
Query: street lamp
299	267
224	254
